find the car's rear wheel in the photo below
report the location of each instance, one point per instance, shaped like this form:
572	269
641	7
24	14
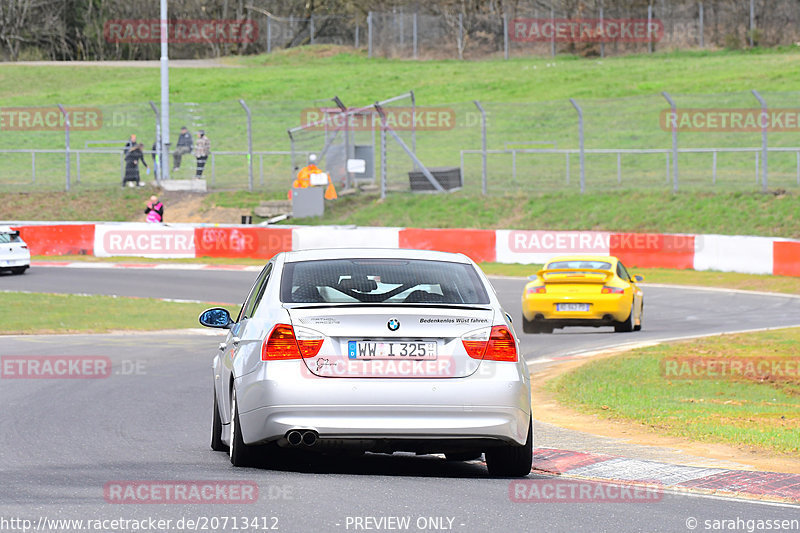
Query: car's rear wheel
19	270
627	325
463	456
511	461
240	453
216	429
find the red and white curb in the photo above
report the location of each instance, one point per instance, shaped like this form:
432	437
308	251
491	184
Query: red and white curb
773	486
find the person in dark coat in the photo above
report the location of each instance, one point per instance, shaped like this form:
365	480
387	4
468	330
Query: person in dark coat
132	160
184	147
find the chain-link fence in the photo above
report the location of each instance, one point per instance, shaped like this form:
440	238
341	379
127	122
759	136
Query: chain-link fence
720	143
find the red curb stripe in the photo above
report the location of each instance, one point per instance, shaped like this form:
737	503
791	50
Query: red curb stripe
750	482
561	461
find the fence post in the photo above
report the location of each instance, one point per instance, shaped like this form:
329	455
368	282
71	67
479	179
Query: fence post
602	43
752	21
553	35
413	122
33	167
159	147
483	145
580	142
674	141
269	35
249	144
66	139
702	26
311	28
415	34
356	43
764	145
369	34
649	28
383	158
505	35
461	36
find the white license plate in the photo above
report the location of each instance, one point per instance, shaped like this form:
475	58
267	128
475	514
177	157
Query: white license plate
572	307
391	350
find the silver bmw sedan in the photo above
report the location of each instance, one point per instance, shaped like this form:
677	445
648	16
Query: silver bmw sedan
377	350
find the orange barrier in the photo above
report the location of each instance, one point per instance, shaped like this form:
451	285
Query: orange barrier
478	244
651	250
59	239
241	242
786	258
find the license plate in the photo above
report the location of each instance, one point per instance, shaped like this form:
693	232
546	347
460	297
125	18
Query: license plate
572	307
391	350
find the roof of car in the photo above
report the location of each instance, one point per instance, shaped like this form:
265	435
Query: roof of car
373	253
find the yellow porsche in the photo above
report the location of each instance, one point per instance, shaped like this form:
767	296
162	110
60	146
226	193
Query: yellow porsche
580	290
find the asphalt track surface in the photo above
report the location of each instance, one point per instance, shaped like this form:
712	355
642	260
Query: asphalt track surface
63	441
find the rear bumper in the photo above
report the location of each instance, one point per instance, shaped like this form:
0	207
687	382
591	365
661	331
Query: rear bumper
603	308
15	262
279	398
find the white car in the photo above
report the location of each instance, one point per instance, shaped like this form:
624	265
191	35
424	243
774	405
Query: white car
373	350
14	253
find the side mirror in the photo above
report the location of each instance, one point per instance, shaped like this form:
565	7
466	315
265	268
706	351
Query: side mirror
216	317
532	277
638	278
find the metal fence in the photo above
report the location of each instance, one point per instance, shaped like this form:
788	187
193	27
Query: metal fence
528	29
500	148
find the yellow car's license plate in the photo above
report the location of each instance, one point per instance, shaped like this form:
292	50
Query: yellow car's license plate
572	307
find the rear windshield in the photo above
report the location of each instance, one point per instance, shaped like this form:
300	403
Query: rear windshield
6	238
391	281
577	265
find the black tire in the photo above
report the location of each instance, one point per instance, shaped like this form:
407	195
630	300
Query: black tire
19	270
529	326
627	325
216	429
511	461
240	453
463	456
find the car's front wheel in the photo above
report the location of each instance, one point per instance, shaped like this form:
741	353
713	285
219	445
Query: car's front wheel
463	456
241	454
511	461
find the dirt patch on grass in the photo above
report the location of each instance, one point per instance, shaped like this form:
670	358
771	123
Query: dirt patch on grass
547	409
190	207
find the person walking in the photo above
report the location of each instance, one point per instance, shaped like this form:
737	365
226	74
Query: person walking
132	159
184	147
201	151
154	210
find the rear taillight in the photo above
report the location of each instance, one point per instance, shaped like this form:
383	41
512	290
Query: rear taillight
502	346
25	246
612	290
284	343
495	344
541	289
475	342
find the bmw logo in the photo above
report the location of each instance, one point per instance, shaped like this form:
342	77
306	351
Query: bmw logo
393	324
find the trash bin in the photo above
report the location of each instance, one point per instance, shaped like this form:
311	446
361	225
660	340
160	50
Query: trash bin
308	202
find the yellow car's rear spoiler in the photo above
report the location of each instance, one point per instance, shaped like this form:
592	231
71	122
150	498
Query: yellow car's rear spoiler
574	275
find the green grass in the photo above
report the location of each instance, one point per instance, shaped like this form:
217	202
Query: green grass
626	211
634	211
633	387
30	313
526	100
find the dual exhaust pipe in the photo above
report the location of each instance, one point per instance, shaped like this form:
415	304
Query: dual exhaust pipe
297	438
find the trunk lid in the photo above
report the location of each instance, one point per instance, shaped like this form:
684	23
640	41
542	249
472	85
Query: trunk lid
387	341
